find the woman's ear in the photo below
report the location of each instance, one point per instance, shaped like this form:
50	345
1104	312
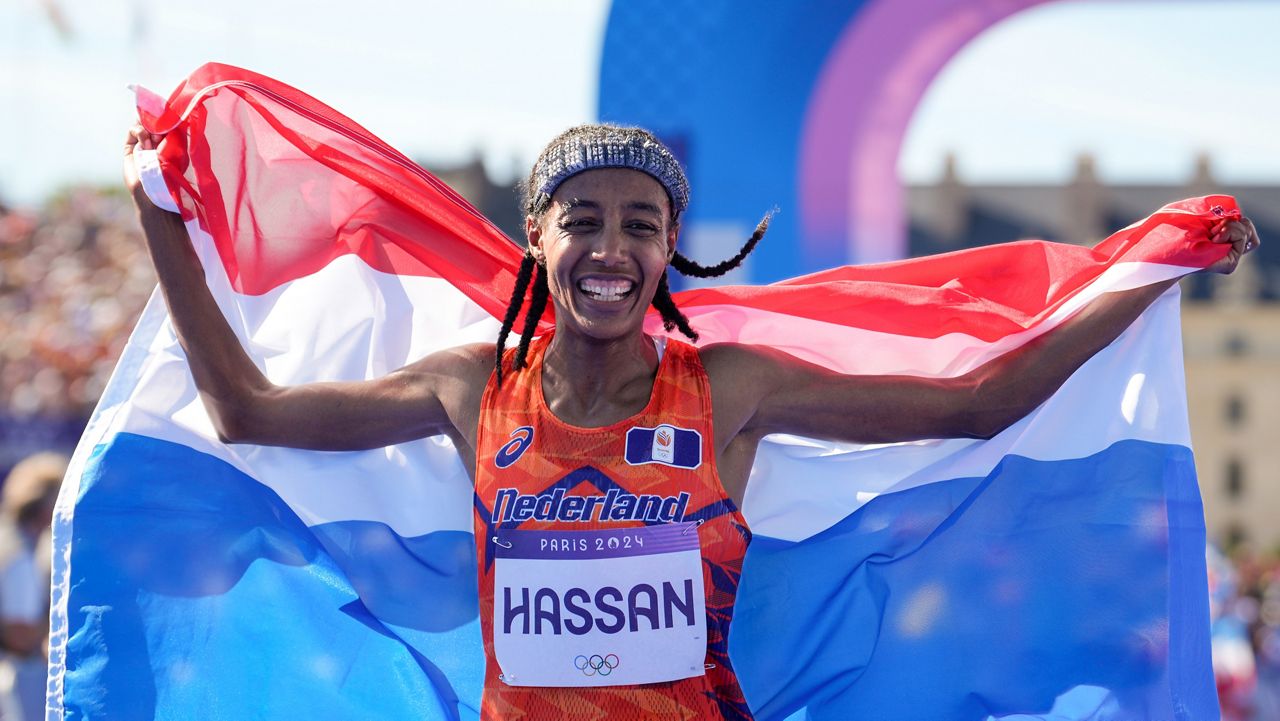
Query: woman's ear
533	236
673	234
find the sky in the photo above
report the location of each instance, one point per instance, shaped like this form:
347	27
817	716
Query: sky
1144	86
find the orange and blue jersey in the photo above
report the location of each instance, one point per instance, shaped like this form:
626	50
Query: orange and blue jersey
535	472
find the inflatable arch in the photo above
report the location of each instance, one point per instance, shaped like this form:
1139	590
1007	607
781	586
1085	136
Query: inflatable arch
801	105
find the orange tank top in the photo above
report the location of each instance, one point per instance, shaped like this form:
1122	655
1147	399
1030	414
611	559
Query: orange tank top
536	472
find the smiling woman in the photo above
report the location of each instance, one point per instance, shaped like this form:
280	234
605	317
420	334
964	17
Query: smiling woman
643	181
603	207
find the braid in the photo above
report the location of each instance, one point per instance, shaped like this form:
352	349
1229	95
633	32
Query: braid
537	304
672	318
691	268
527	264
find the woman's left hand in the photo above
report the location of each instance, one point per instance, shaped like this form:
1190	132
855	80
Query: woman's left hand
1243	238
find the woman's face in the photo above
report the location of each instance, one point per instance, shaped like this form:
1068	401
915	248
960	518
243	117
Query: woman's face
605	242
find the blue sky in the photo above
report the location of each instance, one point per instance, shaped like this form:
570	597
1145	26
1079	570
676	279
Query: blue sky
1143	85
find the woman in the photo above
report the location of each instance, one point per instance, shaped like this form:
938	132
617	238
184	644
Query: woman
609	469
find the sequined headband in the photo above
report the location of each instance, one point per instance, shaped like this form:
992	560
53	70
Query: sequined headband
612	148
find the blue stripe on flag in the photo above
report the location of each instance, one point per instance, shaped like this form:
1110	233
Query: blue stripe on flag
173	573
911	592
196	592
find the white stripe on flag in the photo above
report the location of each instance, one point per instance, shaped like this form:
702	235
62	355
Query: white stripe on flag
801	487
386	321
298	334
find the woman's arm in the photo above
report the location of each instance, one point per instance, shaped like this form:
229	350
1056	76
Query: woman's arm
245	406
793	396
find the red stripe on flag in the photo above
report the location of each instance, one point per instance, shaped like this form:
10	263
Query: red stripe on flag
987	292
285	184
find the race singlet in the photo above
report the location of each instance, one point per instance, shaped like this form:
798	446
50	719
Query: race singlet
608	556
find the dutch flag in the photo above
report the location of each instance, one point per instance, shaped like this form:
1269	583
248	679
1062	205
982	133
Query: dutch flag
1054	571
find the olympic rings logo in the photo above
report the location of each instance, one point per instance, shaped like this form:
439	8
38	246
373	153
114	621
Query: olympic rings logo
596	664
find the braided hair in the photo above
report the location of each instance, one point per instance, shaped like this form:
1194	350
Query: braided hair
536	202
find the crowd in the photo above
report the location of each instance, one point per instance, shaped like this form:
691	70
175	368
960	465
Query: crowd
1244	589
74	277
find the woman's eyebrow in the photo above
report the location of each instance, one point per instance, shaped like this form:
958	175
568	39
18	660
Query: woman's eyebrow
640	205
578	203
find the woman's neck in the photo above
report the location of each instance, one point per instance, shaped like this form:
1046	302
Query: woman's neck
592	382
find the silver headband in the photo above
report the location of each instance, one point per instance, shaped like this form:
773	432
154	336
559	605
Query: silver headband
612	147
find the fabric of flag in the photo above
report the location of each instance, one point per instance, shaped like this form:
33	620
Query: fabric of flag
1055	571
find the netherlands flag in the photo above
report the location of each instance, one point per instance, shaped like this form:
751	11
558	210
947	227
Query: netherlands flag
1055	571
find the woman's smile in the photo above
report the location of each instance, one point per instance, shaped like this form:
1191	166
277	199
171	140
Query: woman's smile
606	243
606	289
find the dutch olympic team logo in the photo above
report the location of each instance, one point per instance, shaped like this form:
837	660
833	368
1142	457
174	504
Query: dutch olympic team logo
596	664
510	452
664	436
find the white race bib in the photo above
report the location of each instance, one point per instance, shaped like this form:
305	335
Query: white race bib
599	608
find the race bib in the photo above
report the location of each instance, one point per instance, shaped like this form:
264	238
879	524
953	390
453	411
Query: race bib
599	608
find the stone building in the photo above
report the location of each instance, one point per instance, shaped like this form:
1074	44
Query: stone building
499	202
1233	391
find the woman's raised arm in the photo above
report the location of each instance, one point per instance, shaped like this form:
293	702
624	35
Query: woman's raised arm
246	407
773	392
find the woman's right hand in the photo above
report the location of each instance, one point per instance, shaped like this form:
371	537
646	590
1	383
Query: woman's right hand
246	407
138	139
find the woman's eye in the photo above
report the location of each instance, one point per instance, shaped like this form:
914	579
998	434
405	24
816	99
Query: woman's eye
579	224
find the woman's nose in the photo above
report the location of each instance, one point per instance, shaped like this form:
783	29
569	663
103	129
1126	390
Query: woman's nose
610	248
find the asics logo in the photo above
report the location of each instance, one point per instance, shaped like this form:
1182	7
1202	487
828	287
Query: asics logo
596	664
510	452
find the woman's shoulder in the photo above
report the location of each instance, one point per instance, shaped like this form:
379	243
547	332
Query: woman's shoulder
747	368
462	360
471	363
728	358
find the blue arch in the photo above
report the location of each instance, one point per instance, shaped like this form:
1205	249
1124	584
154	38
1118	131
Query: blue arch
802	105
726	84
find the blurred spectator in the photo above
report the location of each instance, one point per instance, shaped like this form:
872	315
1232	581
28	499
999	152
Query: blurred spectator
1259	594
26	509
1233	660
1244	590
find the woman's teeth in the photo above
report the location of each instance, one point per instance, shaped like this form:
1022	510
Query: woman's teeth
606	290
